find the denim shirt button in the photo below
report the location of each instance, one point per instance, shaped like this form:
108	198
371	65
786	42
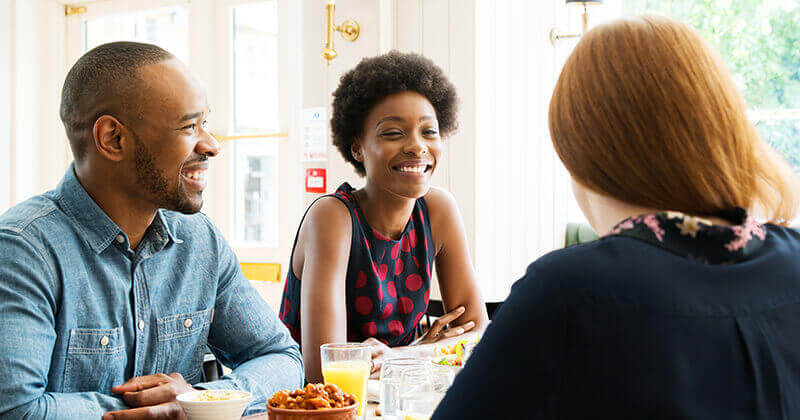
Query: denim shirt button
141	325
104	341
120	238
187	323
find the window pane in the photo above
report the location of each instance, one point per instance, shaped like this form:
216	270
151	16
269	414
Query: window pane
256	192
784	136
758	40
166	27
255	63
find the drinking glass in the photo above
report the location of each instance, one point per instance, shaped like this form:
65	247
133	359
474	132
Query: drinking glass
418	398
348	365
391	377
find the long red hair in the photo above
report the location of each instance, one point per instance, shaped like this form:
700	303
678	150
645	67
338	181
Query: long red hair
645	111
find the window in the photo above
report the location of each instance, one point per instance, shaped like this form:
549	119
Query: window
165	27
255	110
758	40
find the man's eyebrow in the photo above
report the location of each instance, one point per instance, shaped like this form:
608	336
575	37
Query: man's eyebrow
191	116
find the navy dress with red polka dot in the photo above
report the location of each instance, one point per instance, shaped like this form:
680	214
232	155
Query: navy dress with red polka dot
388	281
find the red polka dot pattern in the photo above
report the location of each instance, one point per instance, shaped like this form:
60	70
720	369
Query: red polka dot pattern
396	327
387	311
413	282
369	329
363	305
387	281
398	267
361	280
405	244
406	305
418	318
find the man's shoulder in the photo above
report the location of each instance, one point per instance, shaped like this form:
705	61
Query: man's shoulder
30	214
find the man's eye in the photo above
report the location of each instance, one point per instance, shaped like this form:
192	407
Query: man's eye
205	123
189	127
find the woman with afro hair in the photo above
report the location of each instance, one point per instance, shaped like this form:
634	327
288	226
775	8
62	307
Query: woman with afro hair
361	263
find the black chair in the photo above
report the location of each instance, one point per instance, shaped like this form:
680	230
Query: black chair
212	368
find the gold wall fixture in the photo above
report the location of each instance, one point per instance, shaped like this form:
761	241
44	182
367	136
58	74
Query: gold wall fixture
220	138
554	36
349	30
74	10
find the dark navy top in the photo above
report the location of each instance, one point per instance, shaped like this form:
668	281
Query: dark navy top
633	326
387	284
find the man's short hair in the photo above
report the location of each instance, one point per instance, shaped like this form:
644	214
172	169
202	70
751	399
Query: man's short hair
104	82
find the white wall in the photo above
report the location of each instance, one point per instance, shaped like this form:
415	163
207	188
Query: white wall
38	152
5	103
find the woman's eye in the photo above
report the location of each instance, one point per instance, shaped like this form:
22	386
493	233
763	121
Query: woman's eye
189	127
391	134
430	132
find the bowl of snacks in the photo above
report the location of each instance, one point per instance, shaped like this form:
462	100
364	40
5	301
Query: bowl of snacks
214	404
447	362
315	401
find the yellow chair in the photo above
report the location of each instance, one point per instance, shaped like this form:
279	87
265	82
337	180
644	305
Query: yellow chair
262	271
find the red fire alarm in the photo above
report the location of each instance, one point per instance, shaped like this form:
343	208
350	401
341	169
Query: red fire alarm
315	180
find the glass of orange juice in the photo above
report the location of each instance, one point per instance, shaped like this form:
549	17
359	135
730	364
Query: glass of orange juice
348	365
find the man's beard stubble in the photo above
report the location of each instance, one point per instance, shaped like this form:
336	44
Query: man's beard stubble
155	183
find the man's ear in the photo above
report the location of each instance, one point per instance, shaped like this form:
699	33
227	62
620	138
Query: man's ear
109	138
356	150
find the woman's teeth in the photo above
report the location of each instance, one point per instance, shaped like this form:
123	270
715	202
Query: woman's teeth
415	169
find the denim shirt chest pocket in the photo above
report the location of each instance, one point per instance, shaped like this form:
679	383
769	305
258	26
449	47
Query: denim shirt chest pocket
95	360
182	342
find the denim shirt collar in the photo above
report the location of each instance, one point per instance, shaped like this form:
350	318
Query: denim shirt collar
94	224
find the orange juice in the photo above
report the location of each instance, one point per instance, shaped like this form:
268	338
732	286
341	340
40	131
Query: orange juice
351	376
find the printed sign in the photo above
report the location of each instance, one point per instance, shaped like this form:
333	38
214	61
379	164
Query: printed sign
314	138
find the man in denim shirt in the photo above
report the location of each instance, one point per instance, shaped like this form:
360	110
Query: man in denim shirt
113	284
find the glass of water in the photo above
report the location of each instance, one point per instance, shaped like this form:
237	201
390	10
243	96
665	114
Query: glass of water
418	397
392	374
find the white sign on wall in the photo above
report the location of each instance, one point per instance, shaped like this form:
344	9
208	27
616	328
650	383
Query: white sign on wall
314	139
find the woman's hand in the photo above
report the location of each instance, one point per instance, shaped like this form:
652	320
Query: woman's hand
439	331
380	352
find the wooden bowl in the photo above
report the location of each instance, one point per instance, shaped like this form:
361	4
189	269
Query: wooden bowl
344	413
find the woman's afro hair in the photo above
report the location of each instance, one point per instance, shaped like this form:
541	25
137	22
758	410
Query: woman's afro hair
375	78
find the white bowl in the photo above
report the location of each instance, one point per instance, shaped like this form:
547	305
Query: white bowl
230	409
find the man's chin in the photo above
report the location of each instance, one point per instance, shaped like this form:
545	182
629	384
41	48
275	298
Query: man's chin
188	206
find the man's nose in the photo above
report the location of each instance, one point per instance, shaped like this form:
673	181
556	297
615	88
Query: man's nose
208	145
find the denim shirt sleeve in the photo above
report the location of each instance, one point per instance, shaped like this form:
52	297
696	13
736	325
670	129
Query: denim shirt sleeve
28	305
248	337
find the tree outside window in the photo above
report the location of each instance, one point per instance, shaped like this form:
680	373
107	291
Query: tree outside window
759	40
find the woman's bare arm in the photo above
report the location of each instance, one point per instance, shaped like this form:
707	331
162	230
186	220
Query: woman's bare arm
456	274
324	240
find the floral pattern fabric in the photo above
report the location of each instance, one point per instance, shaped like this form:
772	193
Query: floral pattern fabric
697	238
